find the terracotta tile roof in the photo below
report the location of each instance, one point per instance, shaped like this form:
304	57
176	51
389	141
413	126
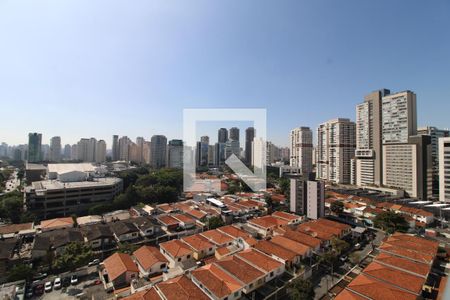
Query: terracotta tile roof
217	281
302	238
165	207
333	224
374	211
278	197
148	256
267	222
183	218
260	260
217	237
250	241
375	289
197	242
348	295
431	245
223	251
176	248
415	211
384	205
285	216
58	222
318	231
403	264
15	228
291	245
407	253
119	263
240	269
167	220
395	277
181	288
150	294
233	231
275	250
196	213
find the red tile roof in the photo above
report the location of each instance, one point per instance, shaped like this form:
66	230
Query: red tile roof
375	289
240	269
260	260
291	245
217	237
220	283
233	231
148	256
181	288
197	242
58	222
167	220
275	250
150	294
303	238
268	222
119	263
176	248
403	264
285	216
183	218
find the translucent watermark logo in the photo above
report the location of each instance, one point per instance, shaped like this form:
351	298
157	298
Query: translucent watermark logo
225	153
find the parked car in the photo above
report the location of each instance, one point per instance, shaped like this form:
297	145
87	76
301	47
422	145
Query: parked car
29	292
66	281
343	258
94	262
39	276
358	246
57	283
74	279
48	286
39	290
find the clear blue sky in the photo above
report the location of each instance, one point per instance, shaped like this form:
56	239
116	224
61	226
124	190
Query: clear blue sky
87	68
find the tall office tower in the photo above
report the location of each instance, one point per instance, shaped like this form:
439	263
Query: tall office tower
175	155
307	197
336	147
140	148
55	149
232	147
301	143
211	155
219	153
146	152
272	153
444	169
399	117
115	148
34	147
3	149
368	162
204	148
158	151
91	149
408	166
45	148
249	136
234	134
100	151
259	153
285	153
74	152
86	149
435	134
123	148
67	152
222	136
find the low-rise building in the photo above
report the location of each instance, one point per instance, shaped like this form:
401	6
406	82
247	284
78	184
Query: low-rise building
176	252
58	223
263	262
200	246
150	261
218	238
288	257
119	270
124	231
99	236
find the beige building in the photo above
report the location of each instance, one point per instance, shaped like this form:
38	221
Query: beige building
335	149
444	169
301	149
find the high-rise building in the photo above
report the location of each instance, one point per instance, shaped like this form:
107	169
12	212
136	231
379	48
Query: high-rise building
146	152
285	153
399	117
368	156
204	148
124	142
444	169
249	136
55	149
175	156
307	197
115	148
100	151
408	166
234	134
86	149
34	147
219	153
301	151
67	152
158	151
335	149
222	136
140	149
259	153
435	134
74	152
232	147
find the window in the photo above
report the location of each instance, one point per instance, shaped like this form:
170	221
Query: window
271	274
179	259
189	256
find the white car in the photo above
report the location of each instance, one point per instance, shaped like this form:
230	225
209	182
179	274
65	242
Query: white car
73	279
48	286
57	283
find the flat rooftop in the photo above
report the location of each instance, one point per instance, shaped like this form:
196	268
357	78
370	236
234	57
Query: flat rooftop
57	185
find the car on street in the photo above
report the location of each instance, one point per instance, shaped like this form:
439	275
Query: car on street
39	290
94	262
40	276
343	258
66	281
357	246
74	279
57	283
48	286
29	292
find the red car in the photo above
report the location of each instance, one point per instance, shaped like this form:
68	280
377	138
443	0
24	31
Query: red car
39	290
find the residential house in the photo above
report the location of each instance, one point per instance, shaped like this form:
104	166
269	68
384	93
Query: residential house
288	257
124	231
184	221
200	246
119	270
58	223
218	238
176	252
147	226
99	236
291	219
150	261
263	262
168	223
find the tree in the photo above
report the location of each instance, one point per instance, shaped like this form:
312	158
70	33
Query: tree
285	186
391	222
338	246
11	207
75	255
127	248
215	222
20	272
300	289
337	207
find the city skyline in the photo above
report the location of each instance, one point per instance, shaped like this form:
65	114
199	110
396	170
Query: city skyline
137	75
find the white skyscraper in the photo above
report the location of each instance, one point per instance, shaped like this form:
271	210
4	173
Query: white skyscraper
100	151
399	117
301	145
335	149
55	149
444	169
